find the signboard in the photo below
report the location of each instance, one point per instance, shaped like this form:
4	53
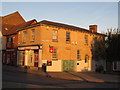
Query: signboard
51	50
28	48
49	63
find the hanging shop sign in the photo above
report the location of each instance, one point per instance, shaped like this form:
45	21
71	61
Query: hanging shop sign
49	63
51	49
28	48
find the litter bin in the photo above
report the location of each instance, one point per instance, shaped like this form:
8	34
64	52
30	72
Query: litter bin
44	67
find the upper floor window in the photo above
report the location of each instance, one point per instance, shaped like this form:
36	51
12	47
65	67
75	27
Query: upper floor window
67	37
9	39
54	54
55	36
13	39
86	39
78	54
24	36
33	35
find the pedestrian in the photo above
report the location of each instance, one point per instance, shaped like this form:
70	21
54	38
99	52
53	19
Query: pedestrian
44	67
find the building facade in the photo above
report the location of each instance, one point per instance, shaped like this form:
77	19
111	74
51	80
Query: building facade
62	47
10	23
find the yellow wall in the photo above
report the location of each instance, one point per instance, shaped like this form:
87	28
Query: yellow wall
65	51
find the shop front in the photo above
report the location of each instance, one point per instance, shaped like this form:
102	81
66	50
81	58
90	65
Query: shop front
9	56
29	56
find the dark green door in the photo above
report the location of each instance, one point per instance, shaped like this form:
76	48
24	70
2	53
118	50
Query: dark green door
68	65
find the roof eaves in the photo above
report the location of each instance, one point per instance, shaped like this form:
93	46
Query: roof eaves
69	27
30	26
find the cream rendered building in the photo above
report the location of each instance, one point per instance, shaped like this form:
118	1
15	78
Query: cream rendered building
62	47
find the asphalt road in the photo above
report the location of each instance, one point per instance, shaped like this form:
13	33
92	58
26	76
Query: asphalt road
26	80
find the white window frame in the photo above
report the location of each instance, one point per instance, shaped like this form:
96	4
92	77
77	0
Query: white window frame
117	67
33	35
55	36
86	39
54	54
24	36
67	37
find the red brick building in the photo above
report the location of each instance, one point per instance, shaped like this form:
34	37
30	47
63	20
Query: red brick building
10	23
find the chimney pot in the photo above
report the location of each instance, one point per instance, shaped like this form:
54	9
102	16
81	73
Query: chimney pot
93	28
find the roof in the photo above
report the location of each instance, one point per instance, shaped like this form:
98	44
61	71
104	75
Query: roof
68	26
11	29
14	19
50	23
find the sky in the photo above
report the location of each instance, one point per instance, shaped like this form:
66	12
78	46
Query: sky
80	14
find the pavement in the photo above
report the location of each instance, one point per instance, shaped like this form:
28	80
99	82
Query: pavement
81	76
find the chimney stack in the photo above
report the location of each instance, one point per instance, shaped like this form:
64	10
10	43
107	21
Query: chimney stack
93	28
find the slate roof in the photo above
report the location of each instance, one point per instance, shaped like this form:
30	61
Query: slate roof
50	23
68	27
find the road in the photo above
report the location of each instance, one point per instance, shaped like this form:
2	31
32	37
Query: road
14	79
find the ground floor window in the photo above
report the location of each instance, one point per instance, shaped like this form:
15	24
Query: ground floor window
28	57
86	58
116	65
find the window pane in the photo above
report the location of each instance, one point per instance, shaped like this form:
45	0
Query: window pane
67	37
86	39
33	35
78	54
24	36
55	35
54	54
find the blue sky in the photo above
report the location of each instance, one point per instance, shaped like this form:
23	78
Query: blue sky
81	14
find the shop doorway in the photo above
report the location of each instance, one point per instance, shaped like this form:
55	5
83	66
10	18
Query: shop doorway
30	57
36	57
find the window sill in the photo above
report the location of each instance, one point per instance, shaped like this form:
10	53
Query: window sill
54	40
23	42
67	42
55	59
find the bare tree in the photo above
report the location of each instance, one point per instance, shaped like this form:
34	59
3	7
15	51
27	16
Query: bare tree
113	44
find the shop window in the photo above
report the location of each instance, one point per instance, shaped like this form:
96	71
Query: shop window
78	54
54	54
33	35
116	65
55	36
86	39
67	37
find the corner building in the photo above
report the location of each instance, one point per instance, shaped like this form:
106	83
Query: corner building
62	47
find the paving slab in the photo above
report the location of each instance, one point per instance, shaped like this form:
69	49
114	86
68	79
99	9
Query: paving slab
64	75
98	77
